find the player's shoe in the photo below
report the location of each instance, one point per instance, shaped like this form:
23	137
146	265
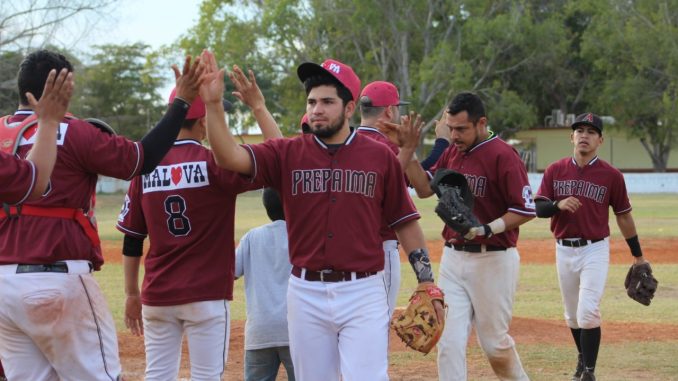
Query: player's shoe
588	376
580	369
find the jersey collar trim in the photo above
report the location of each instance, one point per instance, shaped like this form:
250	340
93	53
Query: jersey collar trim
491	138
370	129
348	141
24	112
594	160
186	141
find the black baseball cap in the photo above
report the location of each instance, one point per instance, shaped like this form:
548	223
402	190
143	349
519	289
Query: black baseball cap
589	119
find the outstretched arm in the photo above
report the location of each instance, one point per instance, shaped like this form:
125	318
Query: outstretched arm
228	154
50	110
249	93
160	139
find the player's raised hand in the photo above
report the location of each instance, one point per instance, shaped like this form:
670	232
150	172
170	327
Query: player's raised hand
212	88
55	98
133	319
405	134
189	79
246	88
442	130
570	204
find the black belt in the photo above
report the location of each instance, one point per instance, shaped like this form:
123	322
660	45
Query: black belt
58	267
330	275
474	247
577	242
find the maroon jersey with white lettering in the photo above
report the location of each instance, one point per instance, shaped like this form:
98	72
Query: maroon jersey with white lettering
17	177
335	198
187	207
498	180
597	186
385	232
83	152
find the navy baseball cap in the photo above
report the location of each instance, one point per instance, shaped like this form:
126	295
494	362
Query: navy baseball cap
589	119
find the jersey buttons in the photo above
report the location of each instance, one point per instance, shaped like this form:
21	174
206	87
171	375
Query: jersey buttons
330	235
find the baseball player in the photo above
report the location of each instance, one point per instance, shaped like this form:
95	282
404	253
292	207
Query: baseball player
576	193
262	257
479	272
380	102
27	179
187	207
55	322
336	187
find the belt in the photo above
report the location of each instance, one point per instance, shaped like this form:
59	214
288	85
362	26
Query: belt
475	247
330	275
65	267
577	242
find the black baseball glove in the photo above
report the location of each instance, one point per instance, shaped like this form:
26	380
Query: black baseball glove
641	284
455	200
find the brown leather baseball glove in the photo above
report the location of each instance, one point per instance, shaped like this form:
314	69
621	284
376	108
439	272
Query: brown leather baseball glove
419	326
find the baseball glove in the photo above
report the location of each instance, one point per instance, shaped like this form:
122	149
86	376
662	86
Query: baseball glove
455	200
419	326
640	284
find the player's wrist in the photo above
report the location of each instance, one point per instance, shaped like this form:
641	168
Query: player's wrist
421	264
634	245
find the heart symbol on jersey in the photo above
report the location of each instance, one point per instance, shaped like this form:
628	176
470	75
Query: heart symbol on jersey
176	175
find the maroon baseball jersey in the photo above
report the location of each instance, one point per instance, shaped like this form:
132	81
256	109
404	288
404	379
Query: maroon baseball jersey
17	177
385	232
597	186
498	180
83	152
187	207
335	198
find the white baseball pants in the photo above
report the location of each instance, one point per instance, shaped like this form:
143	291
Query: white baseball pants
56	326
391	273
207	327
582	273
338	329
479	290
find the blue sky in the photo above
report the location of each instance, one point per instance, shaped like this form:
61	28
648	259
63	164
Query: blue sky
154	22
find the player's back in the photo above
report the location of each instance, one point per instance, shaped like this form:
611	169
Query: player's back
187	207
83	152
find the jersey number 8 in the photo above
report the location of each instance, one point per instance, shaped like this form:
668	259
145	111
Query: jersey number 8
177	222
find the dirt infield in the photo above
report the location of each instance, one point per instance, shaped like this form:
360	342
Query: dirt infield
524	330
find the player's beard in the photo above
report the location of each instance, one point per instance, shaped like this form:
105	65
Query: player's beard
331	129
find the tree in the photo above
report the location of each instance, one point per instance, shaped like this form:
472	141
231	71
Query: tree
639	82
119	88
25	21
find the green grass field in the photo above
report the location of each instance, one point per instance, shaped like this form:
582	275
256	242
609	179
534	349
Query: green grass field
538	295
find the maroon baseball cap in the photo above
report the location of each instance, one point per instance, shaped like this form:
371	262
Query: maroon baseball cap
197	109
589	119
342	72
381	94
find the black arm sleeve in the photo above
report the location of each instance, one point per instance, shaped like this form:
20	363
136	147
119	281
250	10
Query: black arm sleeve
159	140
438	148
545	208
132	247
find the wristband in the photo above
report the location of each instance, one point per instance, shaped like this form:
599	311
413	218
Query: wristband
497	226
421	264
634	245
